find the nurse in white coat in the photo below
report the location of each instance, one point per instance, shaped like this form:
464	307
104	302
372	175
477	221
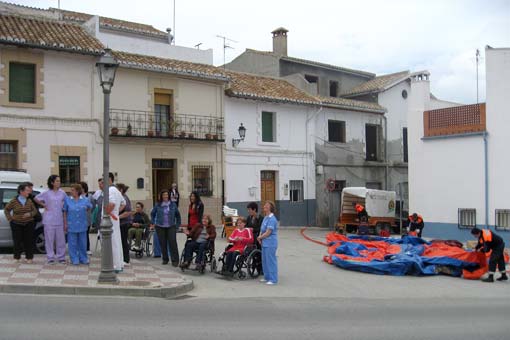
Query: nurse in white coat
116	198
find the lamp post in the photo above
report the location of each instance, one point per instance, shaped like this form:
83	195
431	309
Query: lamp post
242	134
106	66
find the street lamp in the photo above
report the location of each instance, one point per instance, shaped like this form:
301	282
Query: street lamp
242	134
106	67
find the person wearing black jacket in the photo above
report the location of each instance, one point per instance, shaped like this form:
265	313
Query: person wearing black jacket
174	194
490	241
254	220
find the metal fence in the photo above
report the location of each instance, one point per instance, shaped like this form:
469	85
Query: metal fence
134	123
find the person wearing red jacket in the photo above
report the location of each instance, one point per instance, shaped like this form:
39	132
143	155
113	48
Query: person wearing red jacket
240	238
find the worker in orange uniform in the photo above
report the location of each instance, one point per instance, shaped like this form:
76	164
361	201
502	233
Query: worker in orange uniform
360	210
416	225
490	241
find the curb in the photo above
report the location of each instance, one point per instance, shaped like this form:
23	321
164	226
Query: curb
160	292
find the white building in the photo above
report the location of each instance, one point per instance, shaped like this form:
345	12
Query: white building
458	169
275	160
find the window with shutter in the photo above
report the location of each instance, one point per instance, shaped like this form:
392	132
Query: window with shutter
8	155
268	127
22	83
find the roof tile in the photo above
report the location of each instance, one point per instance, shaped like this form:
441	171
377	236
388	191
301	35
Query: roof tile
377	84
49	34
351	104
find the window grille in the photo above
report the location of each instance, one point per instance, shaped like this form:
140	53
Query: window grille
202	179
503	219
467	218
296	191
8	155
69	170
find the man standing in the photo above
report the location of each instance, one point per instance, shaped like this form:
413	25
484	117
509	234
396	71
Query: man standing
117	201
489	241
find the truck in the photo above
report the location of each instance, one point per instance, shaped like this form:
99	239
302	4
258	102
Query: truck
379	204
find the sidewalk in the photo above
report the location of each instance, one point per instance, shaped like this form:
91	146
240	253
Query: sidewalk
138	279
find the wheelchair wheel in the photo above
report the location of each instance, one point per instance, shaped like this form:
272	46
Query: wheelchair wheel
213	265
149	244
241	274
253	263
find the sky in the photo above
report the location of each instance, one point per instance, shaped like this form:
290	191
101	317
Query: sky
378	36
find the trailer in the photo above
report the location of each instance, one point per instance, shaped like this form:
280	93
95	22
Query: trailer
379	204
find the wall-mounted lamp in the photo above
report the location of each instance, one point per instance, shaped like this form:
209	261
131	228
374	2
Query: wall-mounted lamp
242	134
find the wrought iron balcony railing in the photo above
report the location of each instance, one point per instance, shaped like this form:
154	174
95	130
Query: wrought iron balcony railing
134	123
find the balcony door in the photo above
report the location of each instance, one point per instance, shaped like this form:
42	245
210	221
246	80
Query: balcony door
162	113
162	176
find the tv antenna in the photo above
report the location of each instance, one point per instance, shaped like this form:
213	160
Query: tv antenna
477	59
225	45
198	46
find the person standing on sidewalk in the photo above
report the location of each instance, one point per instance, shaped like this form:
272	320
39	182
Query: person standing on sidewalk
254	220
76	209
269	240
174	194
53	220
126	218
117	200
165	217
85	194
20	213
195	209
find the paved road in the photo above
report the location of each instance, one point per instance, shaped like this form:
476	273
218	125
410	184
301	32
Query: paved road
57	317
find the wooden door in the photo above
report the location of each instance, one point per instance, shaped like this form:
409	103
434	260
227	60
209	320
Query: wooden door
162	176
267	186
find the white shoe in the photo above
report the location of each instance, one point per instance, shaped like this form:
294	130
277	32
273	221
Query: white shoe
89	252
270	283
263	280
126	264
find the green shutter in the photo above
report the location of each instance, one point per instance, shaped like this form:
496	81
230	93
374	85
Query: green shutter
21	83
267	127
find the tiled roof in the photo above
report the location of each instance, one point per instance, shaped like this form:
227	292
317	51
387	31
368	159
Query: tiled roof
313	63
172	66
248	86
112	23
377	84
47	34
351	104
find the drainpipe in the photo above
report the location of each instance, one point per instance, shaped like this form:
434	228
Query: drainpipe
486	161
306	161
386	170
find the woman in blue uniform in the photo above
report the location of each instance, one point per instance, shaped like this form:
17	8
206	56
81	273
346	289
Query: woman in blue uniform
269	240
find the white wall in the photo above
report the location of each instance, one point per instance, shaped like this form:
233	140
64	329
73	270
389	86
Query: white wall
147	46
498	124
288	156
397	108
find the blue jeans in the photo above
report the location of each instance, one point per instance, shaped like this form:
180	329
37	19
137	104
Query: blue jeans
77	244
270	264
192	246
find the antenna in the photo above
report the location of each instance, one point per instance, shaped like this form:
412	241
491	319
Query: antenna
174	22
477	59
59	4
225	46
198	46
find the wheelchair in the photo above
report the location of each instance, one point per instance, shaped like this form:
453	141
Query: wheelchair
146	246
207	260
248	262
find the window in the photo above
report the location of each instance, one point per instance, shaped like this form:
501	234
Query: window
162	103
333	88
336	131
69	170
503	219
404	144
202	179
404	94
296	191
372	142
467	218
7	196
374	185
22	83
339	185
268	127
314	80
8	155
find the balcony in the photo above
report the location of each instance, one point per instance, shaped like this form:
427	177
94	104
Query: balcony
454	120
148	124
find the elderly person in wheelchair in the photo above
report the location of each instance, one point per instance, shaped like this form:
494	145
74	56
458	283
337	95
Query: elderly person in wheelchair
200	237
240	239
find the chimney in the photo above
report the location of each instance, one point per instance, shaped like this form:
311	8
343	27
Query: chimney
280	41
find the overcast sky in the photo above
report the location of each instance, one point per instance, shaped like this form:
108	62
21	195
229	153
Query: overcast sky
371	35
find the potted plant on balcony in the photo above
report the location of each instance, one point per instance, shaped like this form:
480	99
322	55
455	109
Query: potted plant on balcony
172	126
150	131
115	131
219	130
191	126
209	135
129	130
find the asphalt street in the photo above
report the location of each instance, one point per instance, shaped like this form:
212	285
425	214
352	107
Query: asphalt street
57	317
